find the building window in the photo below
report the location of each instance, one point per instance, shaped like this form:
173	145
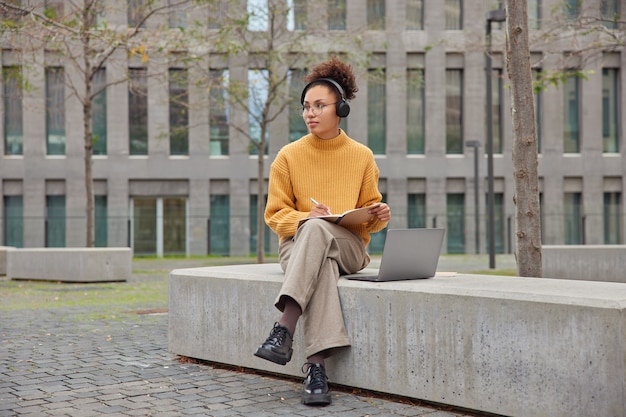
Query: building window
297	127
455	212
416	210
376	14
138	111
99	113
337	14
13	111
414	15
136	13
610	12
415	116
571	9
571	115
610	110
258	85
257	15
498	222
101	221
217	13
376	111
219	117
377	242
159	226
55	111
297	16
219	235
496	109
572	216
253	228
612	218
179	111
454	14
55	221
454	111
534	14
13	221
177	18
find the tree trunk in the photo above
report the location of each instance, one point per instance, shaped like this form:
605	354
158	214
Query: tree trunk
525	161
89	191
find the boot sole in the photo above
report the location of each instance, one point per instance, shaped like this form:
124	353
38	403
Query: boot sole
316	399
273	356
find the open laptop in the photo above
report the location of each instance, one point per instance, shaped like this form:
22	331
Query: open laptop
408	254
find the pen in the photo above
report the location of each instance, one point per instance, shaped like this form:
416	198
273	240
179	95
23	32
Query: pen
314	202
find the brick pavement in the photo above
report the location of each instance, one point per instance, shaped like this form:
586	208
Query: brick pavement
89	361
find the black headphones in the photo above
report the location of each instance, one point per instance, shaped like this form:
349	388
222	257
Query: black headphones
342	108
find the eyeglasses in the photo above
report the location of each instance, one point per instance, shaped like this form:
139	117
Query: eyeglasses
316	109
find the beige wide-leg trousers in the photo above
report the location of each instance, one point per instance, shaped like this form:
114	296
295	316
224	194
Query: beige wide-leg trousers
313	261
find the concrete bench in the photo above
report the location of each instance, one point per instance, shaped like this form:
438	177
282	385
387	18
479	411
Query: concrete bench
3	259
585	262
70	264
505	345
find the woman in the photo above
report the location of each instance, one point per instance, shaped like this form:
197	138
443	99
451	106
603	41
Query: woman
323	170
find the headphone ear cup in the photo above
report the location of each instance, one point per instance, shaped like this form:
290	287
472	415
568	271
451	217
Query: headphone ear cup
342	109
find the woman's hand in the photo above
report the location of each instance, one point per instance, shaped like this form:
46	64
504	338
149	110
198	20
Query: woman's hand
382	212
319	210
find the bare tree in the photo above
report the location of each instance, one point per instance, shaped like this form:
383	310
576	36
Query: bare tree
81	34
525	161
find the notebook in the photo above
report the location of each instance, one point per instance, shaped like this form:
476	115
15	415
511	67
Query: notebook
407	254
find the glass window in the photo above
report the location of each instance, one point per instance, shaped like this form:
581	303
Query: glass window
253	228
101	221
610	110
455	211
454	111
496	109
217	13
14	221
257	15
99	113
610	12
55	110
498	221
13	111
177	15
571	115
297	127
377	242
179	111
219	235
297	16
144	226
571	8
376	111
376	14
258	85
136	13
572	215
337	14
138	111
454	14
174	226
416	210
414	15
219	117
612	218
534	14
55	221
415	116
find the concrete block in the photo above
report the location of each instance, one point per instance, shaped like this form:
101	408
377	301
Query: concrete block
585	262
3	259
70	264
505	345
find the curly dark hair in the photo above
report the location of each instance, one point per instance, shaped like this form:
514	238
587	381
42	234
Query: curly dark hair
338	71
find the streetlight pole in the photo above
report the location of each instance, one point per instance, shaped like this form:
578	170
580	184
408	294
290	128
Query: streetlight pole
498	15
476	144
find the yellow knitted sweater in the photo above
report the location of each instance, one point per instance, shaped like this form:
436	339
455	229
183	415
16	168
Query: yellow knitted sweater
340	173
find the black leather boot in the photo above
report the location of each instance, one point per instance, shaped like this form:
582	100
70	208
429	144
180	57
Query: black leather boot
315	391
277	347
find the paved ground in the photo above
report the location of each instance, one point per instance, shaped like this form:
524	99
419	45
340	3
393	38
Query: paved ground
95	360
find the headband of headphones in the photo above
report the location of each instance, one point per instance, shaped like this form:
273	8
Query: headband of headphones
342	108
